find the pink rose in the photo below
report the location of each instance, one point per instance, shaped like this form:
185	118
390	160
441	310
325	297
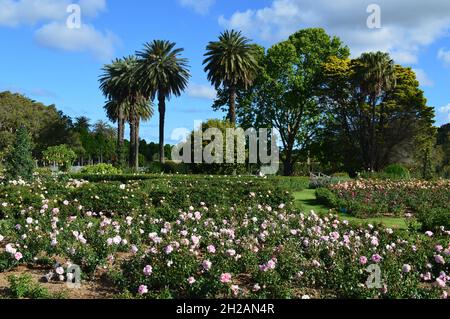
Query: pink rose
225	278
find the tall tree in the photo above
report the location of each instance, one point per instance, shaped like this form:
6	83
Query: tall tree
126	102
286	94
375	75
232	63
162	73
19	161
402	121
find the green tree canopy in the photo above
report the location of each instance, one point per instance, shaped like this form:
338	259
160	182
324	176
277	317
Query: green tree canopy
286	94
60	155
394	120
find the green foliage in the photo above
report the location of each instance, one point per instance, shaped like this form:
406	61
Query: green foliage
382	197
341	175
397	171
270	250
101	169
166	73
396	122
61	155
434	218
286	93
19	162
45	124
322	182
216	168
297	183
326	197
23	286
231	63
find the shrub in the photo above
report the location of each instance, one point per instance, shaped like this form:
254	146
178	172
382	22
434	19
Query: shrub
19	162
151	244
154	168
391	197
43	171
101	169
341	175
433	218
61	155
291	183
326	197
24	287
322	182
397	171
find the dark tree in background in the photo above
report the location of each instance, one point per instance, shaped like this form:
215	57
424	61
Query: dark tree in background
19	161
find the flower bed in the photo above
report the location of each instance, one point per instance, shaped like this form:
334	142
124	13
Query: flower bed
255	246
364	198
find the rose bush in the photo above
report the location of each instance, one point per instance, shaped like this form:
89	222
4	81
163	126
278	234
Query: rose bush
177	238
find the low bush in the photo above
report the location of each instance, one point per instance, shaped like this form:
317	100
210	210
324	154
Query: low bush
326	197
397	171
23	286
434	218
218	237
101	169
367	198
291	183
322	182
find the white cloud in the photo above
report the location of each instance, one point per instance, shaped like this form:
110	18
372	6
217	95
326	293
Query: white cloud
407	25
201	91
445	110
444	56
53	32
14	13
423	77
92	8
86	39
199	6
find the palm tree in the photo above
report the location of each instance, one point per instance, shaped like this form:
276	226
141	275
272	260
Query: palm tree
125	103
231	62
162	73
82	124
376	75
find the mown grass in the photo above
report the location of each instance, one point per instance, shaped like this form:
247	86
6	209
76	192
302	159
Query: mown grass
307	202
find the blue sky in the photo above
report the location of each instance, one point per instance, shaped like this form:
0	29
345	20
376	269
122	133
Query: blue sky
48	62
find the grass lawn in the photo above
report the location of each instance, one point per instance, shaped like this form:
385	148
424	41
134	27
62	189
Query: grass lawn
307	201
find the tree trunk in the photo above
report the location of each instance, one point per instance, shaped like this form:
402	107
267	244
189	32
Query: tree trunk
162	114
372	152
131	160
288	165
136	144
120	137
232	111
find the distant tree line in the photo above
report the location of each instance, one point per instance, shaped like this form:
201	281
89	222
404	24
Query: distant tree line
49	128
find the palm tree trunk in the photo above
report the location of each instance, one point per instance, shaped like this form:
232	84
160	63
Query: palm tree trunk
232	111
120	137
131	160
162	114
136	144
372	152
